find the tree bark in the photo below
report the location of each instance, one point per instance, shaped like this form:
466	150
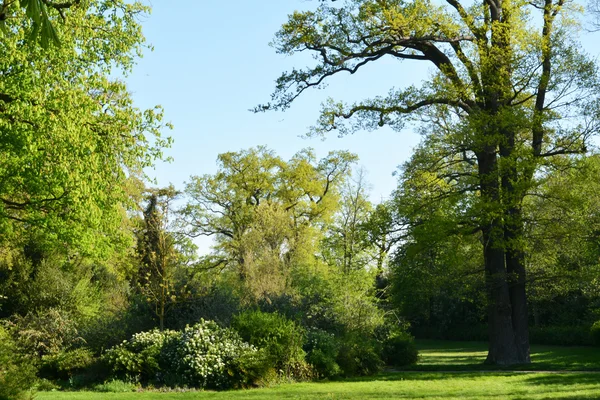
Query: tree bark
503	349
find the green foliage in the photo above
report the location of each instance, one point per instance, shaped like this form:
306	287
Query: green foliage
359	355
337	302
561	335
138	359
218	302
595	333
399	349
115	386
17	373
73	182
65	364
264	213
202	356
322	350
46	332
282	339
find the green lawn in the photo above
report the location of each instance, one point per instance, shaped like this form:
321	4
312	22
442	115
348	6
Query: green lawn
435	356
469	356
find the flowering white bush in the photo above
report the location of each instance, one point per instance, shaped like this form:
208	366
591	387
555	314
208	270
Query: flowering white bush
138	359
202	355
206	355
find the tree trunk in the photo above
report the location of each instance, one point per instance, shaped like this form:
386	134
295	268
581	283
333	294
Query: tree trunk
502	346
514	254
515	269
503	349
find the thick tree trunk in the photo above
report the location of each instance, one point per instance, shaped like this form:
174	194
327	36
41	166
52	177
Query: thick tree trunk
514	254
502	346
506	345
515	268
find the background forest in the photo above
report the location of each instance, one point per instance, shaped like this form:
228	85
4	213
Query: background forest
307	278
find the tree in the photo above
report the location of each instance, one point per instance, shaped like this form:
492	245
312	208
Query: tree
71	140
265	214
157	248
39	17
509	95
345	243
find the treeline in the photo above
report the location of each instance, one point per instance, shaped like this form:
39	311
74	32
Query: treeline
295	286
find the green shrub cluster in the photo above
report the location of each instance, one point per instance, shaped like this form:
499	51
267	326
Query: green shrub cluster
399	349
202	356
17	373
560	335
322	350
65	364
280	338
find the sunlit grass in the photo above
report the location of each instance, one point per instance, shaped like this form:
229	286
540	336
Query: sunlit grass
405	385
460	356
475	381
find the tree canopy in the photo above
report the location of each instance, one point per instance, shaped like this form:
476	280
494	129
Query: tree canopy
71	138
511	94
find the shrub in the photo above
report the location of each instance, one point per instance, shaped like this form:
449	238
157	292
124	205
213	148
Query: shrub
281	338
65	364
359	355
207	355
17	374
322	350
595	333
399	350
115	386
45	332
138	359
204	356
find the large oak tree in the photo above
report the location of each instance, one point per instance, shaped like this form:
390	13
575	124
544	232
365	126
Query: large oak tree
510	92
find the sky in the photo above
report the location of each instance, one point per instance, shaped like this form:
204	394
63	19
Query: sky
212	62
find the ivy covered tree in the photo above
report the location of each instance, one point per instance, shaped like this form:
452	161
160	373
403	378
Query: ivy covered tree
511	93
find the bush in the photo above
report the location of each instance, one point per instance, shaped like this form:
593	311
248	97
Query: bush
45	332
138	359
115	386
204	356
17	374
595	333
359	355
322	350
65	364
207	355
399	350
280	337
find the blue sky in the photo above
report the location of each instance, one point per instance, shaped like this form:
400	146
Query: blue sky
212	62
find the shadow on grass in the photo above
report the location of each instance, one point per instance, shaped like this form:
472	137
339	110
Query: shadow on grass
564	379
419	376
469	356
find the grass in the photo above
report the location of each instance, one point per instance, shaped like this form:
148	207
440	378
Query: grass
471	381
469	356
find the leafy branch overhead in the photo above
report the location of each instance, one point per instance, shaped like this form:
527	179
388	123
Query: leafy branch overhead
42	16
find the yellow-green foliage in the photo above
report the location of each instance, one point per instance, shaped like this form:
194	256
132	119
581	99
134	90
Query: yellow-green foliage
16	372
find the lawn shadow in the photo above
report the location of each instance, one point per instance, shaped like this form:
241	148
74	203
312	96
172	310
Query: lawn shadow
419	376
569	379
